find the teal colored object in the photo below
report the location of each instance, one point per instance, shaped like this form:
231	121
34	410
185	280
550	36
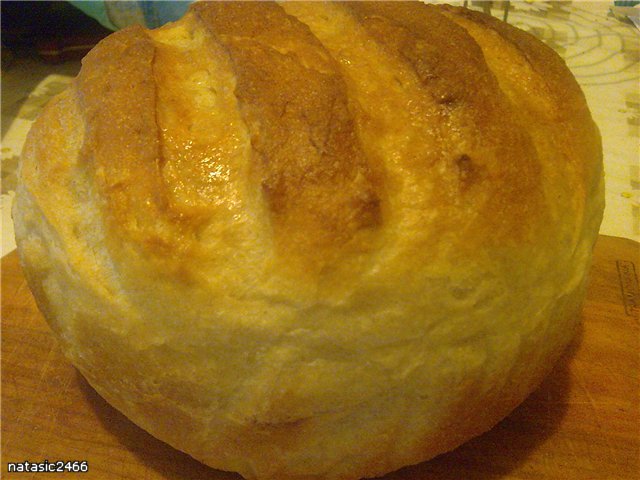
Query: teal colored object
115	15
95	10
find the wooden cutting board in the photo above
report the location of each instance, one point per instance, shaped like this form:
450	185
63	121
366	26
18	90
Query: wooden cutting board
582	423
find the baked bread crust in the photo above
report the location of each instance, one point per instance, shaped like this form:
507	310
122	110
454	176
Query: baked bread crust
313	240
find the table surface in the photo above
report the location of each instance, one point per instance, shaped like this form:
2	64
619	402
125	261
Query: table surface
582	423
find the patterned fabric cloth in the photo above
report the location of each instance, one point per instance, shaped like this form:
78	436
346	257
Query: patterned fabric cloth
602	51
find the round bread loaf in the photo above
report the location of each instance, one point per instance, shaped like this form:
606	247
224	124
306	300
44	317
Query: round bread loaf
313	241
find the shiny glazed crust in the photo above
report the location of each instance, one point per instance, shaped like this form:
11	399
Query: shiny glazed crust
309	240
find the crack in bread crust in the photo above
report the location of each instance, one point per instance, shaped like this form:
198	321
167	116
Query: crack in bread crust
315	176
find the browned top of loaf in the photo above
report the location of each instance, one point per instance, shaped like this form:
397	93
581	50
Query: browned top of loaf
358	117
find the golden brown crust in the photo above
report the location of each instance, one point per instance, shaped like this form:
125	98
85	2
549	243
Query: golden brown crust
316	179
474	125
549	101
116	93
311	155
313	240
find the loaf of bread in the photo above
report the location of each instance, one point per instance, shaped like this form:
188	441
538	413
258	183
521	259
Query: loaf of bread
313	240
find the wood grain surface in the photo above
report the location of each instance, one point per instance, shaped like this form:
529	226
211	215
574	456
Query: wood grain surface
582	423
